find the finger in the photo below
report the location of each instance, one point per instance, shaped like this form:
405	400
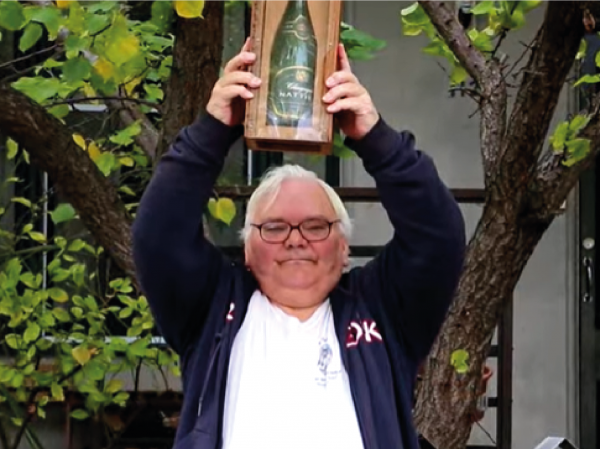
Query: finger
247	45
239	77
239	61
236	90
347	90
340	77
343	59
354	104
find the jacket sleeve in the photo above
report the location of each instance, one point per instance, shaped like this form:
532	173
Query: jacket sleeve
416	274
177	268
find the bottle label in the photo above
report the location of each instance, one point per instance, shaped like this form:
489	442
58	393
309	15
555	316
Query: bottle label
292	93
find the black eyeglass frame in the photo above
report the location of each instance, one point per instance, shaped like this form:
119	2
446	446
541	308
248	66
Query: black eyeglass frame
292	227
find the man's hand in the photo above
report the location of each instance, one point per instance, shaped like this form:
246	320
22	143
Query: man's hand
349	100
228	99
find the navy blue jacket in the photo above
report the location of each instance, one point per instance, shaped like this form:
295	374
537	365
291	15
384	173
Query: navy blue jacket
387	313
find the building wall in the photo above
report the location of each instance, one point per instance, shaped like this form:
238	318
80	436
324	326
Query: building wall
411	91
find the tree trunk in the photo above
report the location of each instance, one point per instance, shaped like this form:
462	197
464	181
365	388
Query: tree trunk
196	63
52	149
497	255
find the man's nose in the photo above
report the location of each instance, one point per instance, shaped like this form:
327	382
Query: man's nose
296	239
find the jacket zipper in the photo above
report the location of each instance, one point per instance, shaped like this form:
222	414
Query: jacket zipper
209	372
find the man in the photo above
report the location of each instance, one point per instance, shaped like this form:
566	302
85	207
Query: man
288	350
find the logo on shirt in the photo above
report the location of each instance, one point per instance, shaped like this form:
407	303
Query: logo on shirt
362	330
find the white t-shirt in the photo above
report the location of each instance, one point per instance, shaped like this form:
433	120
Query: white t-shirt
277	397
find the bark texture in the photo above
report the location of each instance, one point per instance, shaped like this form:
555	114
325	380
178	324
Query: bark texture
522	199
196	64
52	149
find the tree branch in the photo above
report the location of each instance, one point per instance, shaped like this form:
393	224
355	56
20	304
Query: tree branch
148	138
555	180
123	100
544	75
197	58
488	75
443	17
74	174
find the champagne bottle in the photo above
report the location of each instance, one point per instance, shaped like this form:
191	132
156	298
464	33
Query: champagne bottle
292	69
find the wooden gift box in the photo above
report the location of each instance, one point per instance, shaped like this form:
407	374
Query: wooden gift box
286	114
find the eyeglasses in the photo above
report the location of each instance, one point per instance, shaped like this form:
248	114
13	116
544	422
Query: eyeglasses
312	230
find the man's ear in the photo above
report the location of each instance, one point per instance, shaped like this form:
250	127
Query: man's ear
346	253
247	257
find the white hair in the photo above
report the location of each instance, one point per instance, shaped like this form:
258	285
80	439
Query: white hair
270	185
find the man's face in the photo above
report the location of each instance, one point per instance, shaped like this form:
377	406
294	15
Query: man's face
297	265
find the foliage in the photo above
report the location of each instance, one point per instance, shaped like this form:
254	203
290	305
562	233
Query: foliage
502	17
58	321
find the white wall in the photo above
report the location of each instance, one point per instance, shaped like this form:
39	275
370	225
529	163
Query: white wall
411	91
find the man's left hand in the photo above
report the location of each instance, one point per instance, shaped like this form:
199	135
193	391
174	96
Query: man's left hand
349	100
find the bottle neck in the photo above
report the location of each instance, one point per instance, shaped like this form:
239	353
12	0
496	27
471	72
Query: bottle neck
299	6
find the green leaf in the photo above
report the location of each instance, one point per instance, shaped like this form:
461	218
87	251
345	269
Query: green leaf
106	162
59	111
484	7
458	75
50	16
113	386
32	332
154	92
76	245
17	421
12	340
96	23
79	414
189	9
57	392
77	69
582	49
77	312
82	354
58	294
29	280
559	136
12	16
23	201
76	44
12	148
61	314
126	135
339	149
579	122
38	88
577	149
33	32
162	15
37	236
587	79
63	212
125	313
121	46
459	356
222	209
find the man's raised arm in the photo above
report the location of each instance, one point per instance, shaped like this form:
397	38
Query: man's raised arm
415	276
178	269
417	273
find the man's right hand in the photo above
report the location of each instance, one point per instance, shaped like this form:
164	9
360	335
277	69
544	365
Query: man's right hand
228	99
